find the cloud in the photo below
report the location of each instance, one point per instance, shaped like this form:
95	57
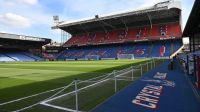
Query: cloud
19	2
93	7
3	31
15	20
145	3
30	2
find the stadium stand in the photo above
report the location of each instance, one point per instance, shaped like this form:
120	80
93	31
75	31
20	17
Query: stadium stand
119	36
140	50
50	56
5	58
36	58
18	56
158	36
21	48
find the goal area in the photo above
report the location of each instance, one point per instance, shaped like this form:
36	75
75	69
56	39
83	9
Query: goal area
92	57
125	56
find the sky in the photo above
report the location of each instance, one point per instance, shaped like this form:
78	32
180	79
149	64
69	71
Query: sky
35	17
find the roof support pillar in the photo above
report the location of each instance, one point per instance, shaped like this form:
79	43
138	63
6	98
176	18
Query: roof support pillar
150	20
83	28
193	43
107	24
124	24
102	25
190	43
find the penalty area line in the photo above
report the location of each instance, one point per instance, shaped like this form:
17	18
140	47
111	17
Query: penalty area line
58	107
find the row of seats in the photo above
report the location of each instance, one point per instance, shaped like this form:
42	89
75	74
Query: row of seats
140	50
5	58
18	56
120	36
36	58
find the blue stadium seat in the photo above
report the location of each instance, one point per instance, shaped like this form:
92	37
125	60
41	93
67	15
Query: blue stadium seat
140	50
37	58
18	56
5	58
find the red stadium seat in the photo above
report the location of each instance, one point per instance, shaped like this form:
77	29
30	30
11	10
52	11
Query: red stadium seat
177	30
131	34
118	36
99	37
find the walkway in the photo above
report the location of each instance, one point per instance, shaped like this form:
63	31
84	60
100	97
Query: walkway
159	90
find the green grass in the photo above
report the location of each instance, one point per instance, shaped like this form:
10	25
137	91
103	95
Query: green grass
27	78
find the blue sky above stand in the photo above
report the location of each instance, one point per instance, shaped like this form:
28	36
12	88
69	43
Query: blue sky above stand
34	17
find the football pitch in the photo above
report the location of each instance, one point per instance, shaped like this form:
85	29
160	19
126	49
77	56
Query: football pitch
22	79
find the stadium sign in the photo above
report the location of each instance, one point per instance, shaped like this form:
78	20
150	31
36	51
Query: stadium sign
168	38
149	96
52	51
141	40
21	37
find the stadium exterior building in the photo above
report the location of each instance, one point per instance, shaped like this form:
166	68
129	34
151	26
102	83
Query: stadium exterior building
141	33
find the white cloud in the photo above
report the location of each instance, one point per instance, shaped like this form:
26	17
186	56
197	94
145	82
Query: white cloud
93	7
19	2
3	32
30	2
15	20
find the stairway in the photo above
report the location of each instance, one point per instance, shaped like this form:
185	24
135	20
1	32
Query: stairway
150	50
172	48
10	57
29	56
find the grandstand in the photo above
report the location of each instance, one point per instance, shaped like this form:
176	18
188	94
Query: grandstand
140	50
21	48
142	33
